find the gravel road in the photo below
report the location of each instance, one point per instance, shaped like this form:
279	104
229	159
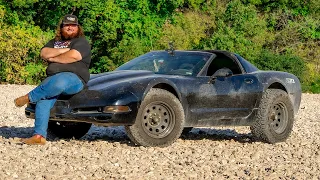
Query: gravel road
205	153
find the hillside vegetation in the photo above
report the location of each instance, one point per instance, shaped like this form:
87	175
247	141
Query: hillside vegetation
273	35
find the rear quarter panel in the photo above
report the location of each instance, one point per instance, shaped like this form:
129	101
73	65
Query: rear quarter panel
283	80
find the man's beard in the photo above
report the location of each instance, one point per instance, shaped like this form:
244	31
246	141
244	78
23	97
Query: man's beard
66	36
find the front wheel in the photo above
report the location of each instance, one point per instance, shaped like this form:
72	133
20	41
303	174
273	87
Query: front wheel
275	117
159	121
64	129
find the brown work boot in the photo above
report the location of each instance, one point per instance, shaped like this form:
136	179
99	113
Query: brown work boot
21	101
34	140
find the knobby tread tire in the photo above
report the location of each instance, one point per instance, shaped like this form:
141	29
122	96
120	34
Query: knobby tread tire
136	133
261	129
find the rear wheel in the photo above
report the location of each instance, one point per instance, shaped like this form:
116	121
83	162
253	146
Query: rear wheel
275	117
64	129
159	121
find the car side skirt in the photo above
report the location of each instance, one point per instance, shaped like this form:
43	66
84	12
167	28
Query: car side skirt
246	121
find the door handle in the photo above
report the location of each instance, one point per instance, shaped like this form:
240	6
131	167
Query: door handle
248	81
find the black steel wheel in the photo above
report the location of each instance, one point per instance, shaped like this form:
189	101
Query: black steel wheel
275	117
159	121
278	117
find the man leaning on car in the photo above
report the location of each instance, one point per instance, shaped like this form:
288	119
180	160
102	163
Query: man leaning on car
68	56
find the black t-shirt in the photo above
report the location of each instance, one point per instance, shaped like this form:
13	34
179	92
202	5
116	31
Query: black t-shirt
80	68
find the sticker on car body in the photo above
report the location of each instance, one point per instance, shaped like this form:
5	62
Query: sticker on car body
290	80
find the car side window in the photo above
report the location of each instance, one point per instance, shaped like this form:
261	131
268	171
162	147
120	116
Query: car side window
223	61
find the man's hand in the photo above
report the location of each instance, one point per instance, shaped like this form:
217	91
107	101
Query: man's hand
47	52
67	57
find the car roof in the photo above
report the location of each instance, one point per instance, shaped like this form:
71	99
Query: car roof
209	51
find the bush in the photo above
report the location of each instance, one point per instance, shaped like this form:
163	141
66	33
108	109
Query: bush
278	62
313	87
19	46
34	73
240	29
186	31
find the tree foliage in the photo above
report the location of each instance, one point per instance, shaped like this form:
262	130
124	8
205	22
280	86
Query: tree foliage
275	35
281	62
187	30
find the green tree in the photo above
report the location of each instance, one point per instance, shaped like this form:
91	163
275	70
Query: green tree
240	29
277	62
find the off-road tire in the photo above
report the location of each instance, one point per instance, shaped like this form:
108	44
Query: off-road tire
159	121
275	117
66	130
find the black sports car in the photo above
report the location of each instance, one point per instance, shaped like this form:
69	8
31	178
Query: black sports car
160	94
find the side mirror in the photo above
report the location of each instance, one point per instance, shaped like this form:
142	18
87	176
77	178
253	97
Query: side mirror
223	72
220	73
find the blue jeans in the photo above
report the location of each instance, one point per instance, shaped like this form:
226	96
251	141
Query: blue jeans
46	94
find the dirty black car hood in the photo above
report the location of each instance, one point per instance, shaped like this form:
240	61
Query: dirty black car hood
113	88
105	80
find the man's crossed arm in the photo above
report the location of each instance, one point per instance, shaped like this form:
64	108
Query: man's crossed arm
60	55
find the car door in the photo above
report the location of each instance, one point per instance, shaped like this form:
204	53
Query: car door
216	100
225	98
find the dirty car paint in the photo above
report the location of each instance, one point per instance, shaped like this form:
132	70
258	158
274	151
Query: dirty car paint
207	100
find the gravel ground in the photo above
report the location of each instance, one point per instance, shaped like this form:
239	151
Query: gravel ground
205	153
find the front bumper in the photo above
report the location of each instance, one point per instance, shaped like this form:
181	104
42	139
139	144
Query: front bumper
63	111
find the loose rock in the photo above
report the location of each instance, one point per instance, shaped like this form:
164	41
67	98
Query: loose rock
204	153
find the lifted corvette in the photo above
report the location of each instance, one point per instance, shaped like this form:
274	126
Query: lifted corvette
158	95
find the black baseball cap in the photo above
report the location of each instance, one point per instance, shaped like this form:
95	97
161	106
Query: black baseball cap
70	19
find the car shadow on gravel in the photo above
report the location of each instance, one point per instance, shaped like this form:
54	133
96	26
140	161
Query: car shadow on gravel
113	134
218	135
109	134
15	132
118	134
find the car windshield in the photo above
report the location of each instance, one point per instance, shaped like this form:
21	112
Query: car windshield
186	63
